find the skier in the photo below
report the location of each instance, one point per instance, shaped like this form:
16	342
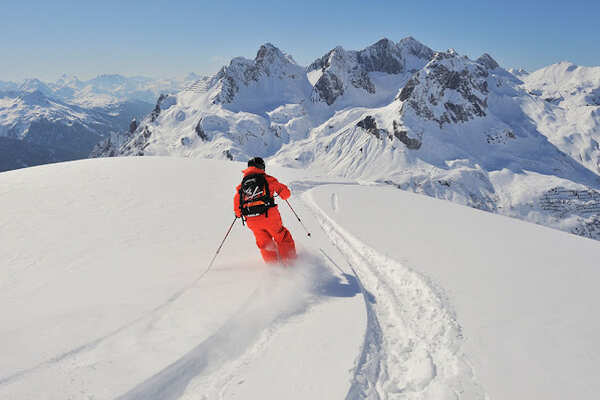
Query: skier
255	204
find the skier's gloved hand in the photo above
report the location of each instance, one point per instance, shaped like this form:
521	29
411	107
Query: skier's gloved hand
285	193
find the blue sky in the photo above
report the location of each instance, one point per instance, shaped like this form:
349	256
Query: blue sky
45	39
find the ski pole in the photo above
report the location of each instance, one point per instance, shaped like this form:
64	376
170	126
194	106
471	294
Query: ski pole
219	249
299	220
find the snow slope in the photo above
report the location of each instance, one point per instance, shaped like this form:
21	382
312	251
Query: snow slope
104	292
523	297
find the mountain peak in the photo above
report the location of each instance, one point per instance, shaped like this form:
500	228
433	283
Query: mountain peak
270	62
267	49
567	65
35	98
409	40
33	85
416	48
487	61
384	42
341	69
270	54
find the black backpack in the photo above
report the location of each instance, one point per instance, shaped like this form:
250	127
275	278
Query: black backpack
255	197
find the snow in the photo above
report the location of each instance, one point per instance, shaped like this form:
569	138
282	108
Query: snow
105	292
523	295
112	296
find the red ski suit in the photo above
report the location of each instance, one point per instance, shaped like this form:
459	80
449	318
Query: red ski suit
268	227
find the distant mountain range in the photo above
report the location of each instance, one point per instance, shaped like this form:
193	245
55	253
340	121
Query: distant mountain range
102	90
65	119
399	113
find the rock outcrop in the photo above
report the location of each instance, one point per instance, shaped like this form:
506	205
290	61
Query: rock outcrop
449	89
340	68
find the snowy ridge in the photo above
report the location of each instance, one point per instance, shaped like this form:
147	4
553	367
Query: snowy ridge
570	113
566	84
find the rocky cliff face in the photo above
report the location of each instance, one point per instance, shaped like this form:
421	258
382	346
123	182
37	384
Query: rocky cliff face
136	139
449	89
340	69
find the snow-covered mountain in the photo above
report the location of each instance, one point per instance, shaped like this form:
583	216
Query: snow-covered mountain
459	130
61	128
70	116
248	107
431	122
256	106
570	114
103	90
109	89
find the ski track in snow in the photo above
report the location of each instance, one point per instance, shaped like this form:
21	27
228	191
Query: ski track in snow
412	342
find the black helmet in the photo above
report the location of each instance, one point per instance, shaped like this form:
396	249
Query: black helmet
257	162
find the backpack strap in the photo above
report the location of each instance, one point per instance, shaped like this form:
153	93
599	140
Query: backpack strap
242	203
270	199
